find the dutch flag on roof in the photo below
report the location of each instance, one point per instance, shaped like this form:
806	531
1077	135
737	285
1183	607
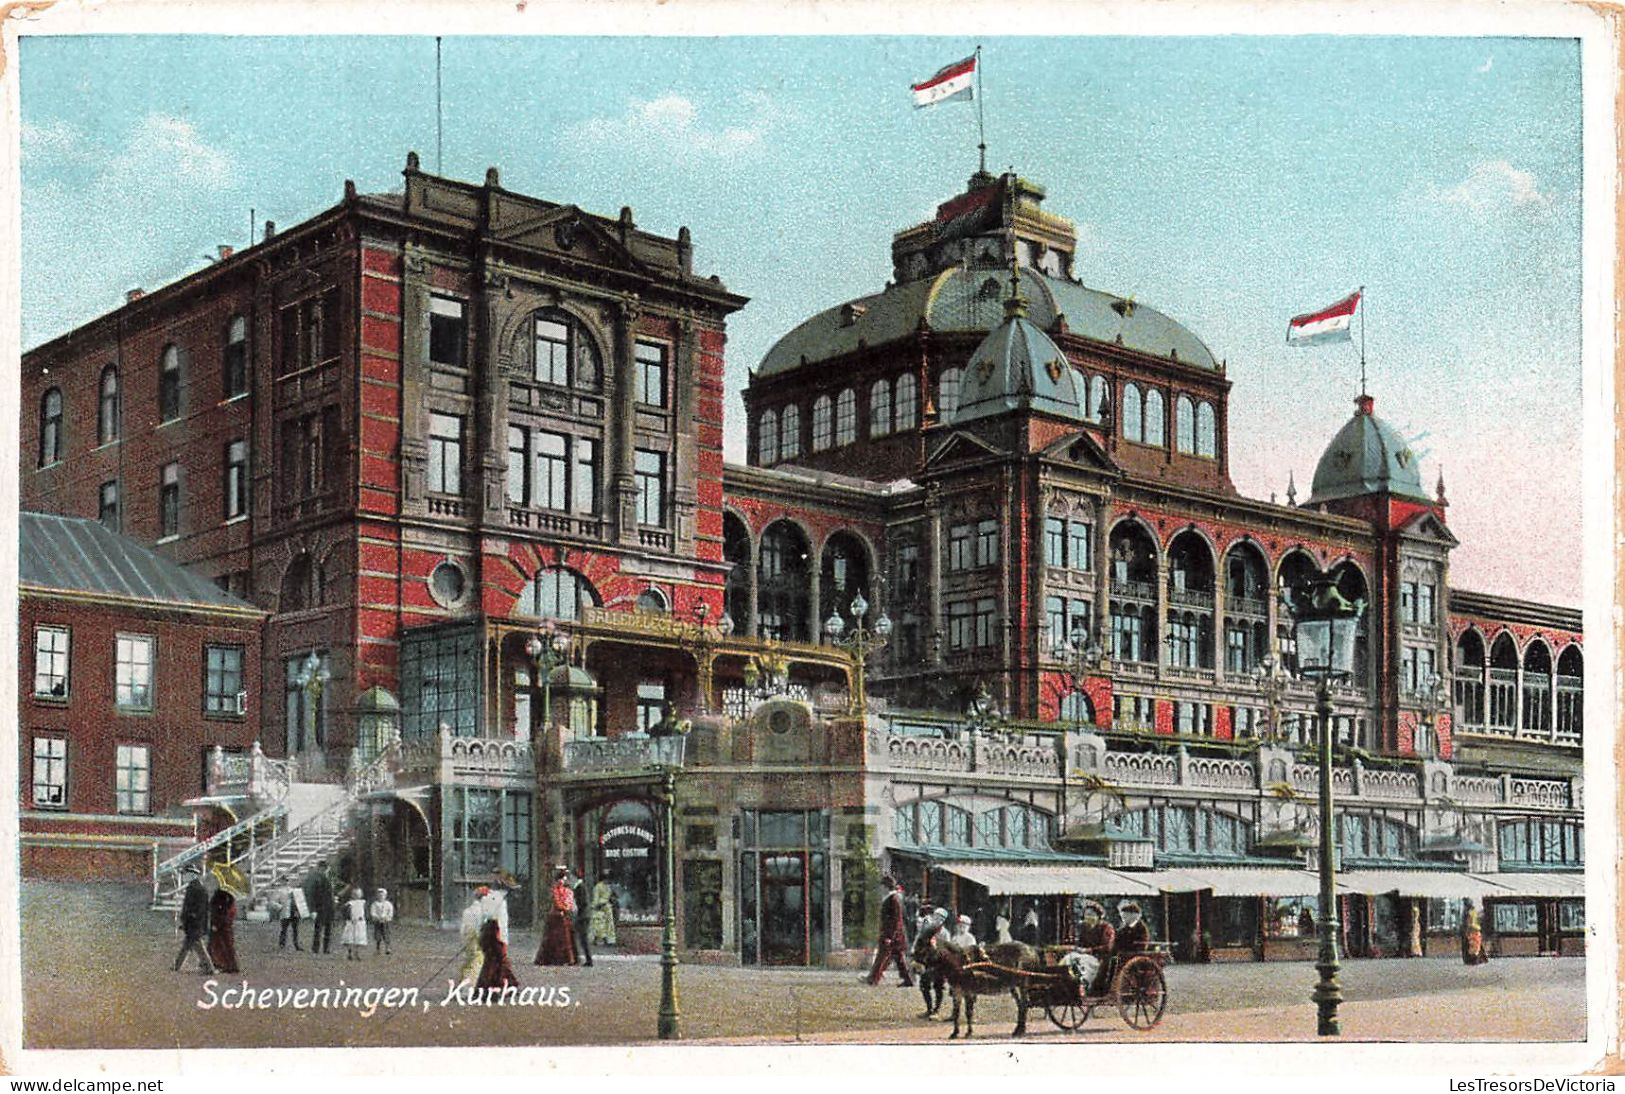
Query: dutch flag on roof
951	83
1326	325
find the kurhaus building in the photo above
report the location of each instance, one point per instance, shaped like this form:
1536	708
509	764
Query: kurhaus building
465	447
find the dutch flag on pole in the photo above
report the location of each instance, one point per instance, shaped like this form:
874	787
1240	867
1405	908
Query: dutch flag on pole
1327	325
951	83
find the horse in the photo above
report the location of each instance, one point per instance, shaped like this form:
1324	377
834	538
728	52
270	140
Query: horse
969	974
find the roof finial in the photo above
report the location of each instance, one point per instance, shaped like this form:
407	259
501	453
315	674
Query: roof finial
1291	489
1439	489
1016	306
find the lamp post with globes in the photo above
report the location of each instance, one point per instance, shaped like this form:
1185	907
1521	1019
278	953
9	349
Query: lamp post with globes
860	642
701	643
1272	682
1323	626
1434	698
546	649
312	678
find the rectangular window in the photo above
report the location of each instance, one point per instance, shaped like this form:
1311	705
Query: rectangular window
51	646
50	772
1054	541
1078	622
1424	603
961	546
552	352
548	487
908	572
585	496
222	679
649	471
1080	547
985	621
107	507
961	626
1408	668
133	777
234	366
133	672
651	364
169	501
987	543
236	484
651	704
445	454
1407	601
448	332
1055	616
518	465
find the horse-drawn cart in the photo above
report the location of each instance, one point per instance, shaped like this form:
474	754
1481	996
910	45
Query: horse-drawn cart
1134	984
1058	979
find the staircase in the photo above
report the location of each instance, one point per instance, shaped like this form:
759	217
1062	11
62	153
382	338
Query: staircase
297	825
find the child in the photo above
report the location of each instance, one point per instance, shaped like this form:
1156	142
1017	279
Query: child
354	936
382	914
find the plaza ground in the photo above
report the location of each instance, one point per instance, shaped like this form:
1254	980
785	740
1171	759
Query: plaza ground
97	974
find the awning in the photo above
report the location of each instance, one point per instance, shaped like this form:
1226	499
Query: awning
1434	884
1551	885
1013	879
1237	881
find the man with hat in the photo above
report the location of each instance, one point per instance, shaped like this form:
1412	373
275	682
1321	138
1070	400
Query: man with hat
893	934
1096	938
1133	936
962	936
933	923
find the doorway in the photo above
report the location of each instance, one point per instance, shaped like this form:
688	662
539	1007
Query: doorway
784	908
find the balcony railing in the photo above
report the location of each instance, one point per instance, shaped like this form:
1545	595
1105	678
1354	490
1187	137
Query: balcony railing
1135	590
1246	605
657	538
545	520
445	758
440	506
1191	598
623	755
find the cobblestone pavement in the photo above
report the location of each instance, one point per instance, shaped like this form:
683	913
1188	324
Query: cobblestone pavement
97	974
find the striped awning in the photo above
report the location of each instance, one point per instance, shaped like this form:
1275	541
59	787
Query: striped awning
1237	881
1548	885
1434	884
1017	879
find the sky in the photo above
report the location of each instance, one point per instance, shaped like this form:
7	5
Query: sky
1230	182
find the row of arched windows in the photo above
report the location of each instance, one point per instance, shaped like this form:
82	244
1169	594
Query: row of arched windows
894	406
1509	693
173	362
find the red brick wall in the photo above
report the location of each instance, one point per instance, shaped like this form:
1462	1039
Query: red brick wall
59	863
176	729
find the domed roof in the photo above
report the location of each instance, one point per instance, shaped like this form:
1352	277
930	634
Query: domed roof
1368	456
1018	366
969	298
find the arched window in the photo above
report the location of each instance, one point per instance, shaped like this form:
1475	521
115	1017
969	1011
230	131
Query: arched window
1155	432
653	602
564	353
880	408
299	587
1537	690
767	439
1133	424
823	422
908	402
783	584
736	552
50	427
1206	443
1570	695
1077	709
107	415
844	574
1185	424
234	365
556	593
169	385
1503	689
790	432
846	417
1470	681
948	393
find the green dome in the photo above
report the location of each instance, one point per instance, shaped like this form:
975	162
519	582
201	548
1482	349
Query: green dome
1368	456
1018	367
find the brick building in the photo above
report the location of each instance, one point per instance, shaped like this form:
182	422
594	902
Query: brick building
134	671
476	466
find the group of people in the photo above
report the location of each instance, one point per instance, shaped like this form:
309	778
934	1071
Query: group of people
205	920
576	920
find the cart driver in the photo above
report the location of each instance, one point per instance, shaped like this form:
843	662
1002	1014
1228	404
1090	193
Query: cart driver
1133	936
1096	938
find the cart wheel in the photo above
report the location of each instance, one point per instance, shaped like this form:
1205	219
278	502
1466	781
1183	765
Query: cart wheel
1142	993
1068	1015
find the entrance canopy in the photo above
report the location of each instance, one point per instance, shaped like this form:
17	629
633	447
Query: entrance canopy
1434	884
1011	879
1548	885
1237	881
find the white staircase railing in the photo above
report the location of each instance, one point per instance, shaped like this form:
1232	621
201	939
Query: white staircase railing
171	876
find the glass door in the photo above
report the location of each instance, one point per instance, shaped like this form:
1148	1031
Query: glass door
784	908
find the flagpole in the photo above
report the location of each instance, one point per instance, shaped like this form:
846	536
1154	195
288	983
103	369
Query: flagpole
981	127
1362	340
439	115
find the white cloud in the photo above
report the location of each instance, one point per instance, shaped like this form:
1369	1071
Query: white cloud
671	124
1494	185
1489	63
169	147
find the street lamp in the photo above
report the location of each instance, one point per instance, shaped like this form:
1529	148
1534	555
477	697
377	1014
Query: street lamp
1079	656
667	1028
701	645
982	714
312	677
860	642
1272	682
1434	698
546	650
1323	627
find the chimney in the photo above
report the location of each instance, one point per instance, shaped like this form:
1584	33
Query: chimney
133	295
226	251
270	229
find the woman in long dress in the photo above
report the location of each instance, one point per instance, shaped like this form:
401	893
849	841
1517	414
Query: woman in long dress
603	914
556	948
222	941
1472	938
473	919
354	935
495	969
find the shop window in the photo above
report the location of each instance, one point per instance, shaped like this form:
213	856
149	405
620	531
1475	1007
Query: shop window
1292	917
1522	918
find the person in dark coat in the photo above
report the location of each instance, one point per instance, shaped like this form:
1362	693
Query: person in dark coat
222	922
194	926
496	971
1097	938
932	925
323	906
583	922
1133	936
893	934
